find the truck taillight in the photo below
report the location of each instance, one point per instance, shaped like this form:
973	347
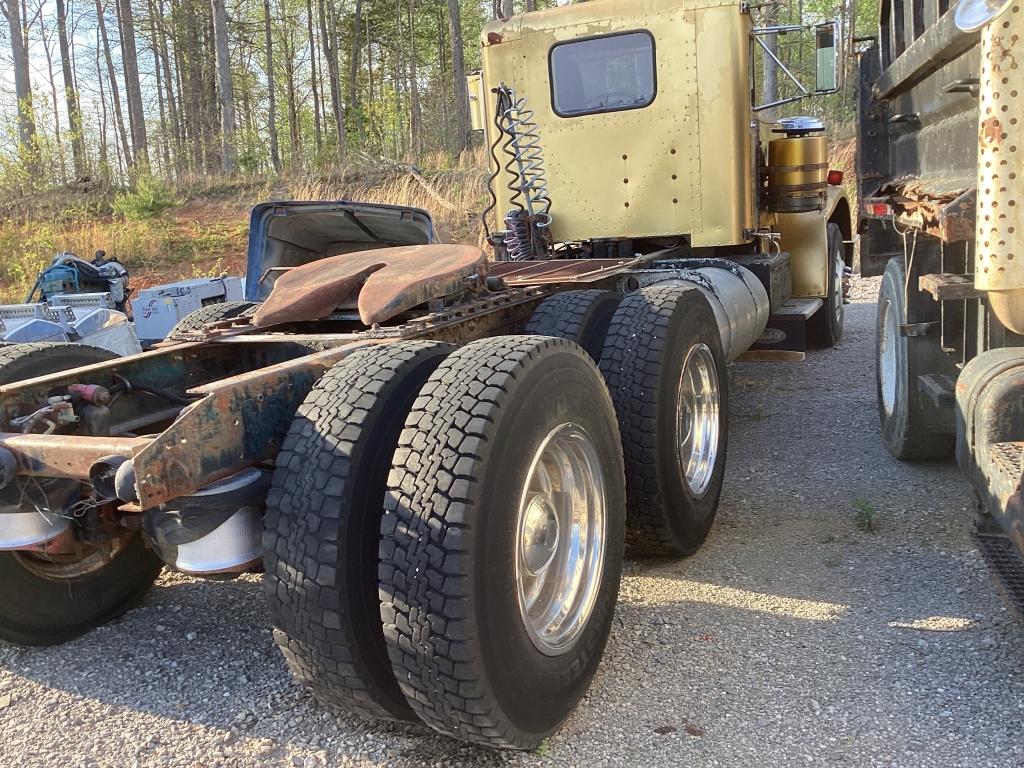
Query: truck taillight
877	209
835	178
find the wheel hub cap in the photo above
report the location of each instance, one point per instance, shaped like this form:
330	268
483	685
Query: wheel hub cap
887	358
697	413
540	534
560	539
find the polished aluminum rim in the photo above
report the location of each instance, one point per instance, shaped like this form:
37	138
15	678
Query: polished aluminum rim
887	358
837	297
698	412
560	539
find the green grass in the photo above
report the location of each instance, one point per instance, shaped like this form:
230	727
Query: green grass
865	515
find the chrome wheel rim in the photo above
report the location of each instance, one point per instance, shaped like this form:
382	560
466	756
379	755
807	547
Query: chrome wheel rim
698	409
887	358
560	539
837	296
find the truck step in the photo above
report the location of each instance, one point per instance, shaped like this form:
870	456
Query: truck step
939	388
1004	562
786	332
947	287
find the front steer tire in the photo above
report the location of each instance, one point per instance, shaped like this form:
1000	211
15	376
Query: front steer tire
652	335
457	637
323	521
825	327
39	606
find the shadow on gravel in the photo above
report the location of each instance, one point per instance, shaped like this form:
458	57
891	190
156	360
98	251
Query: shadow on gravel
793	633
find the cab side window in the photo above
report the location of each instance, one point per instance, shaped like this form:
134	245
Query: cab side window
603	74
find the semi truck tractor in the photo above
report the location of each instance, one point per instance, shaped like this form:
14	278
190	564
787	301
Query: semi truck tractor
940	176
438	454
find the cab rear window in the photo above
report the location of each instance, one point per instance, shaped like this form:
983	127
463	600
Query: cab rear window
603	74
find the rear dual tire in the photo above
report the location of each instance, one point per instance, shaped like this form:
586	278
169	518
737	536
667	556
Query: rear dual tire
665	369
322	526
503	525
47	598
465	538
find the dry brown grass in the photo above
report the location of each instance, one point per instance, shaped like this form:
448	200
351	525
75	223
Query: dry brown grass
206	231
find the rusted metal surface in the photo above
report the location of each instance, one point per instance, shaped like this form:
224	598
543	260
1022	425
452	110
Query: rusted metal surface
66	455
560	270
999	254
387	281
949	287
942	208
175	369
242	420
238	422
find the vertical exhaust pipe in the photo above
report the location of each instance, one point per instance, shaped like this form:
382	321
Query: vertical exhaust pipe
999	250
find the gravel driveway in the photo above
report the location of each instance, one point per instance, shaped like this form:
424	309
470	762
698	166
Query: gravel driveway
793	638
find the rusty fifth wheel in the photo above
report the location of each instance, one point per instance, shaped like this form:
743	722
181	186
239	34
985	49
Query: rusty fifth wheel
323	520
501	542
663	363
66	566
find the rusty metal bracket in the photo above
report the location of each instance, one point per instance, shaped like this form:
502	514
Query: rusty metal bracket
948	287
918	329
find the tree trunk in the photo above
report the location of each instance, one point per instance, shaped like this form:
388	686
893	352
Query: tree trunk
227	95
133	90
275	154
458	76
115	97
22	81
507	9
102	116
70	95
48	51
289	78
353	65
329	41
415	113
317	126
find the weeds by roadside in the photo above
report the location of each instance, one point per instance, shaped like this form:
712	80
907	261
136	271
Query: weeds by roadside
865	515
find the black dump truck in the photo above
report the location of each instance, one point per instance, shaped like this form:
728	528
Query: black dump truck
941	144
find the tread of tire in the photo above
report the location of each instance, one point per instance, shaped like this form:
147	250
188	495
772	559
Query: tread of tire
211	313
14	352
301	555
915	444
632	365
564	314
442	679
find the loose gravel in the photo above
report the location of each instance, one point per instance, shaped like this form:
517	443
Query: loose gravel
793	638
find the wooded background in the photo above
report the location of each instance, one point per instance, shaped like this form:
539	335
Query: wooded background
109	91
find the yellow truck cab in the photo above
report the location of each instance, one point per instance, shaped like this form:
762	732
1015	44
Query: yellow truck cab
633	126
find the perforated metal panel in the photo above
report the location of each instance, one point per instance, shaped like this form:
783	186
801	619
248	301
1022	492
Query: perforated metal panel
1000	255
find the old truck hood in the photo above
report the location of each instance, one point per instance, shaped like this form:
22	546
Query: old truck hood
288	234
